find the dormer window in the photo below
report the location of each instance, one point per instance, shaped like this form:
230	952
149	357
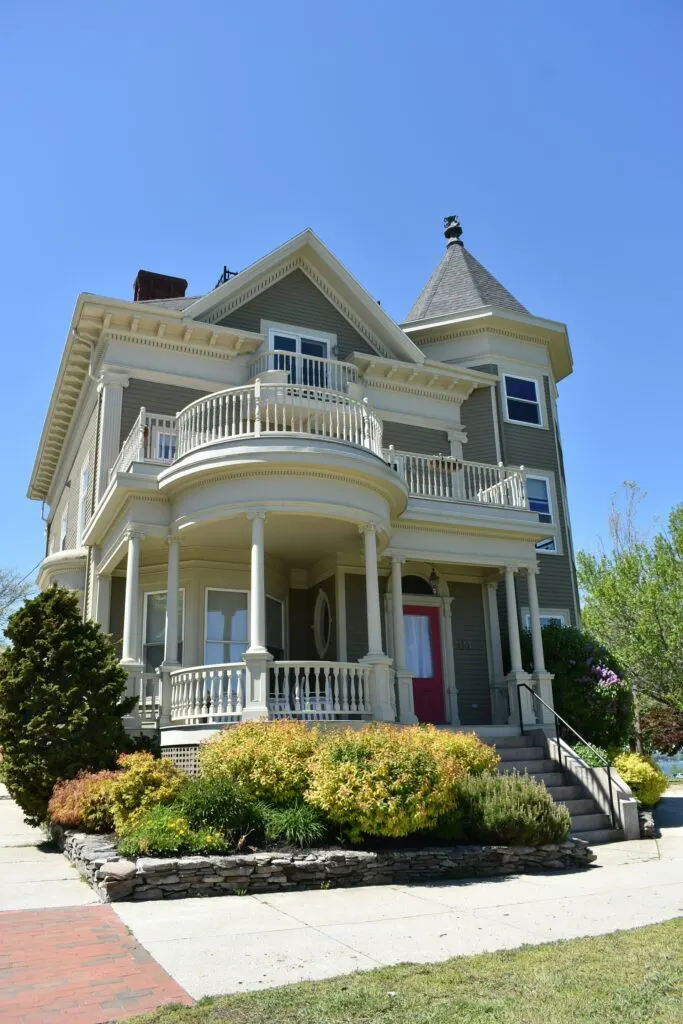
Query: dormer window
521	401
303	355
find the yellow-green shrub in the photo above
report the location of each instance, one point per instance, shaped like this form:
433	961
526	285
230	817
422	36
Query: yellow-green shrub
466	750
382	780
145	782
270	760
646	780
84	802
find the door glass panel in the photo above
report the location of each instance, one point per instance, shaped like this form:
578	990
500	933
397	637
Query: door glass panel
287	360
274	638
313	373
227	636
418	646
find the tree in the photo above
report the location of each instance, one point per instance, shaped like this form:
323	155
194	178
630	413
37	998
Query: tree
13	589
662	729
61	699
588	690
633	602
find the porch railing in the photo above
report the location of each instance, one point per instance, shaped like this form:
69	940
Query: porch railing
319	689
448	478
208	693
311	371
152	439
259	410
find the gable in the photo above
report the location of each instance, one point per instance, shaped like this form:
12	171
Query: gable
295	300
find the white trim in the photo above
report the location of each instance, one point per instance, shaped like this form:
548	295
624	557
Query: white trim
83	499
542	424
64	530
270	328
322	645
181	637
549	613
496	427
340	601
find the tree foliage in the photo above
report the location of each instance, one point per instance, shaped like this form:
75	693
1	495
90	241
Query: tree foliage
13	589
633	601
61	699
662	729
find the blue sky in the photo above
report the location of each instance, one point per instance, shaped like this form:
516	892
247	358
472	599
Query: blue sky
180	137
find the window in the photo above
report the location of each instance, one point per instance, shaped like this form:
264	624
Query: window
164	445
63	531
299	356
322	624
227	626
83	499
538	492
521	400
546	620
275	628
154	629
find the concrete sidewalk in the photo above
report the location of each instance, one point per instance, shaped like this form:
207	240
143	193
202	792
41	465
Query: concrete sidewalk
233	944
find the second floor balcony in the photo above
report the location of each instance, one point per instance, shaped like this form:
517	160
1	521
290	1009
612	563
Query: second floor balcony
298	411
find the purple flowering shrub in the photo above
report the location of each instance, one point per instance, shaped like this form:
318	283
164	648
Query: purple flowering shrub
588	688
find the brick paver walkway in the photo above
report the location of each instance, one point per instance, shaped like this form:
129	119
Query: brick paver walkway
77	964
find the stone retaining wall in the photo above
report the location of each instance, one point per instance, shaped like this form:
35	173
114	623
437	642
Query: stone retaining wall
150	878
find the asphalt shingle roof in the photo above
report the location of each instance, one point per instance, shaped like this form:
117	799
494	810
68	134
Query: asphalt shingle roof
460	282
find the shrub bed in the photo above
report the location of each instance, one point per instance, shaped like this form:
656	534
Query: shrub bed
647	781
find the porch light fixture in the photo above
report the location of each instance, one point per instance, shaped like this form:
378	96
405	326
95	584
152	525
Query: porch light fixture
434	580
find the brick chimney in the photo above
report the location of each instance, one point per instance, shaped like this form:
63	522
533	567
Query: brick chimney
149	285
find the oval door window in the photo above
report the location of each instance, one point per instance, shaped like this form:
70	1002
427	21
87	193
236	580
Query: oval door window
322	624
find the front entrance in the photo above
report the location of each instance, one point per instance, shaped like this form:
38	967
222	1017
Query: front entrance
423	660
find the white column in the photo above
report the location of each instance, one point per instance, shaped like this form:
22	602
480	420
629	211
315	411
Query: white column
513	621
172	586
534	615
257	614
257	657
131	647
372	592
110	389
102	601
397	609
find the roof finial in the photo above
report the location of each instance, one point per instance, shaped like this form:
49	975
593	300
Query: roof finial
452	230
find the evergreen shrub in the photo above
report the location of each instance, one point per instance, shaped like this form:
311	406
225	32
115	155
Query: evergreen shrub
647	781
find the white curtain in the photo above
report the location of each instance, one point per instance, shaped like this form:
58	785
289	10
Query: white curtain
418	646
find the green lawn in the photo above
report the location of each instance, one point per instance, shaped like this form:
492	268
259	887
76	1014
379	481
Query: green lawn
633	977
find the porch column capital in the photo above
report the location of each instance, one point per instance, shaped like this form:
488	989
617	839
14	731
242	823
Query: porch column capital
112	379
134	533
256	513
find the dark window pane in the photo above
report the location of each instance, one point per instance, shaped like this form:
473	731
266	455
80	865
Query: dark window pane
284	344
313	348
546	545
516	388
523	411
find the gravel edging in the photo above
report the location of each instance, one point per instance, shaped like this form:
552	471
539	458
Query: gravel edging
158	878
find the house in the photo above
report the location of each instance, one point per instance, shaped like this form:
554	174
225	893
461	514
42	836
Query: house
282	502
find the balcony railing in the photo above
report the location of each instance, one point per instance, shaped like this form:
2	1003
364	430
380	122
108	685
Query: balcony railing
260	410
448	478
152	439
311	371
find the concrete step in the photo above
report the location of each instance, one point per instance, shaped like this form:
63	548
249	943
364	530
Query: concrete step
532	767
561	793
503	742
600	835
522	754
578	805
552	779
590	822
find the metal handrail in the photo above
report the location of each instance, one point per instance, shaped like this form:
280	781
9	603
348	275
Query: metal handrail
565	723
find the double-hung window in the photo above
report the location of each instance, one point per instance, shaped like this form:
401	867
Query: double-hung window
83	499
154	632
226	631
538	493
299	354
522	404
546	620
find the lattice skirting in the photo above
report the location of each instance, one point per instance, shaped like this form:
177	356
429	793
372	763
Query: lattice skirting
185	757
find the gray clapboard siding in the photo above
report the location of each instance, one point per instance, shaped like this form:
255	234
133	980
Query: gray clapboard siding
328	586
165	399
69	499
407	438
469	653
295	300
116	608
476	415
356	617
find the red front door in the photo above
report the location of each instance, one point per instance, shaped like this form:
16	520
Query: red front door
423	659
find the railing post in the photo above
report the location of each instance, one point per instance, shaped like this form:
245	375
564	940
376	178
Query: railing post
142	427
257	407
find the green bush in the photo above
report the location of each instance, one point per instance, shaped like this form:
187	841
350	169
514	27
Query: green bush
143	783
61	699
298	825
220	804
588	690
507	809
163	832
647	781
590	758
